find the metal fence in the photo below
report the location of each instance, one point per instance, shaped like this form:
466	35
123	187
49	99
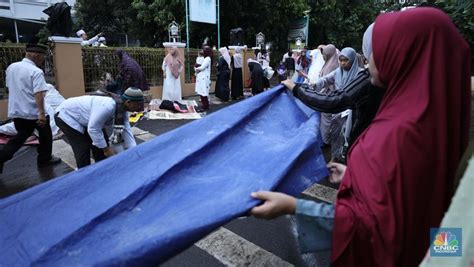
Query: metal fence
98	61
11	53
190	59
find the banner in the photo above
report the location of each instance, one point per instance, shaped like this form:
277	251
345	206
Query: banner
202	11
148	203
298	29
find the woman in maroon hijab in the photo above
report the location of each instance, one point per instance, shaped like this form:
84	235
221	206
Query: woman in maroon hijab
399	177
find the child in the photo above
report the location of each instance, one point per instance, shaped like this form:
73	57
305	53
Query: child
199	59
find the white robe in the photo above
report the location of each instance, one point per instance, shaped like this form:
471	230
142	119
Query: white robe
203	78
171	85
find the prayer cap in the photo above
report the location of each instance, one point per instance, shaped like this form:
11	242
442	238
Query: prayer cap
133	94
36	48
80	32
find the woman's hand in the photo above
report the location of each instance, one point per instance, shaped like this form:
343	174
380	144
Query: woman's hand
289	84
275	204
337	171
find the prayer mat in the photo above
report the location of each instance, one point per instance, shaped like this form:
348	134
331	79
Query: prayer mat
31	141
155	113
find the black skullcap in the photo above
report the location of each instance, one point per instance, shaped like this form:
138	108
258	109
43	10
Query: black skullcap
36	48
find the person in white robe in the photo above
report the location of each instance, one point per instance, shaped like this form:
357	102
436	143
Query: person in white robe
172	68
203	76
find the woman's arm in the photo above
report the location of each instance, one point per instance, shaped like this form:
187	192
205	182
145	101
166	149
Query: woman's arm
204	65
336	101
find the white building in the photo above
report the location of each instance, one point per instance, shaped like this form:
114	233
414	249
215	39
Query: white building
20	20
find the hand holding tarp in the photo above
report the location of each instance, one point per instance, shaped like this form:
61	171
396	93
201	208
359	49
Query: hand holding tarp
275	204
288	83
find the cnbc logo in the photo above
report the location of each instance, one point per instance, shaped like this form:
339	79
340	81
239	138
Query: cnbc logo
446	242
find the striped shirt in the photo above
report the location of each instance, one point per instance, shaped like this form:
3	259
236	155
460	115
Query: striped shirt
359	95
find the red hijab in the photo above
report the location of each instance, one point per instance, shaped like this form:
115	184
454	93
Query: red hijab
399	178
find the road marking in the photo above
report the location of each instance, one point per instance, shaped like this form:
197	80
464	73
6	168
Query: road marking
321	192
233	250
63	150
141	134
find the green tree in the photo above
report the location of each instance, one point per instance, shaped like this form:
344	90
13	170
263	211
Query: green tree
273	18
270	17
153	18
462	14
341	23
110	17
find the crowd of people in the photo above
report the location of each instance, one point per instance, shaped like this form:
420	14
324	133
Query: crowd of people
399	175
97	122
396	119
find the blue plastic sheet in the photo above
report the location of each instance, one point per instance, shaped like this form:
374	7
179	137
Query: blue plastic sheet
149	203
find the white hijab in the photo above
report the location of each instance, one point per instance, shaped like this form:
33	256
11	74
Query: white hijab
225	54
317	63
367	41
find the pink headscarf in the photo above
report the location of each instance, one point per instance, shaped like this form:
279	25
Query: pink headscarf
330	53
174	61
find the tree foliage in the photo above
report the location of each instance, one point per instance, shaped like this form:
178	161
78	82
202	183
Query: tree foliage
462	13
270	17
109	16
153	18
340	22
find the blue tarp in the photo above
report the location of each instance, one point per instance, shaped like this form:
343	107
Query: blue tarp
149	203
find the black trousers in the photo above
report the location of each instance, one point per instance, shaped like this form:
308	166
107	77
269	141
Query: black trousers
81	144
205	102
25	128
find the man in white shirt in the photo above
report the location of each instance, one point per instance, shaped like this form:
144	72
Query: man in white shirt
26	85
52	99
84	119
87	42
